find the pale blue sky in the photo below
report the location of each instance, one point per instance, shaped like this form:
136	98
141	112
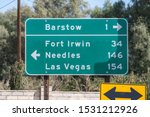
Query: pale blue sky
92	3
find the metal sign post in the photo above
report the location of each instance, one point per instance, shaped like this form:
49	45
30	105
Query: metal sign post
46	87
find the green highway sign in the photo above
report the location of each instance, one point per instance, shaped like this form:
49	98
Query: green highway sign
76	46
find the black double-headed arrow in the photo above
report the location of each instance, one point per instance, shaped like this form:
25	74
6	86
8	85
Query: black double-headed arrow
112	94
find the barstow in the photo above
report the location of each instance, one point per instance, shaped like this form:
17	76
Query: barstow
62	27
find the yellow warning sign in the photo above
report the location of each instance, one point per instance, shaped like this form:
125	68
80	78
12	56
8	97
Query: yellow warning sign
122	92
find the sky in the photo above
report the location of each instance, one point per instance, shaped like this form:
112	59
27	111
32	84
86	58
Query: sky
13	3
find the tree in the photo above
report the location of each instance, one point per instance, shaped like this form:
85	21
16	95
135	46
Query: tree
107	9
119	9
139	47
3	45
60	9
10	24
26	12
139	8
3	36
8	49
97	12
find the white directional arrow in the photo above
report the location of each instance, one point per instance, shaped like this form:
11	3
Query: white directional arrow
118	26
35	55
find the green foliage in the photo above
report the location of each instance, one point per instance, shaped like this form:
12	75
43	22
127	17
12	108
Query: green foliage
132	78
3	37
8	36
75	83
97	12
139	48
3	44
119	9
110	10
3	33
147	76
60	9
139	8
16	76
107	9
10	50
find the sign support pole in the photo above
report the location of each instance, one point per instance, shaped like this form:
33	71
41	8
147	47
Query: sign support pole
19	31
46	87
107	79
